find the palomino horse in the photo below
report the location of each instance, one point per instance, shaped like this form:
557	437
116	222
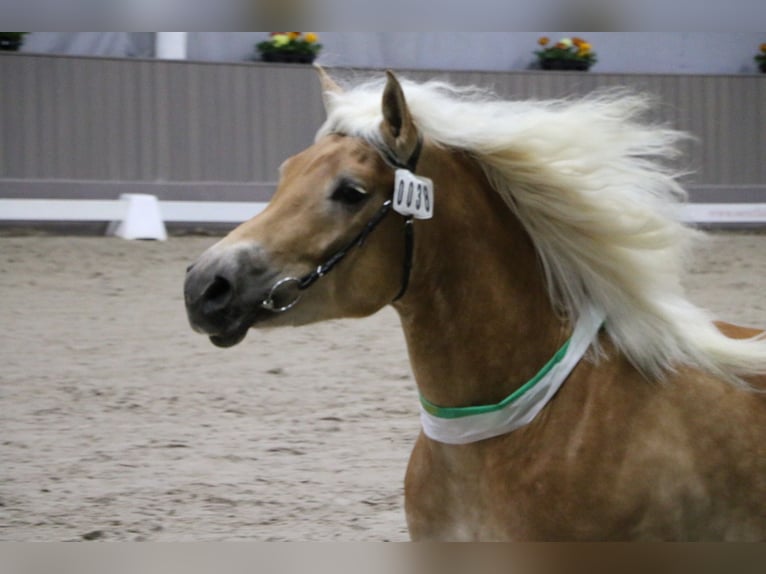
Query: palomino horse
533	250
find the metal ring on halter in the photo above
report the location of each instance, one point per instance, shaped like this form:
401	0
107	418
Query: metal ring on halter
269	304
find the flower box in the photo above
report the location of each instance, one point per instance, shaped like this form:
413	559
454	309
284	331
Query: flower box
290	57
11	41
291	47
553	64
760	59
566	54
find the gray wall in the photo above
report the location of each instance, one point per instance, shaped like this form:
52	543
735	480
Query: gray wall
96	127
618	52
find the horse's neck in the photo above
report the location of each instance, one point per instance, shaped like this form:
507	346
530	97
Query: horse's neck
477	319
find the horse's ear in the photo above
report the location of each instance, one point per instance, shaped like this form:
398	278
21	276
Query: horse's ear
329	86
398	129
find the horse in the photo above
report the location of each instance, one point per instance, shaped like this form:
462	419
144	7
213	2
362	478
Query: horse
534	252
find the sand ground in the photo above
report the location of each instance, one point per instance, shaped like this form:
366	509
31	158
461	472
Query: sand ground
119	423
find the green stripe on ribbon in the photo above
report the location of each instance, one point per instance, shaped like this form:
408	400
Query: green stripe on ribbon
460	412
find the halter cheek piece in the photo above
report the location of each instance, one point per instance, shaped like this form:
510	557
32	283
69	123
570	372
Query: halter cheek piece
302	283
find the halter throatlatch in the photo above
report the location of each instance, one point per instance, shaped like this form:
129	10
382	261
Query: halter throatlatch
302	283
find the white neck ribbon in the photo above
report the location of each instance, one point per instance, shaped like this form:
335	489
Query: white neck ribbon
463	425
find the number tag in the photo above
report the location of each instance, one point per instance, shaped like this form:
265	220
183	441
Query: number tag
413	195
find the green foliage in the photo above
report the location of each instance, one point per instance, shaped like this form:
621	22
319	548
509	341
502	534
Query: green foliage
13	36
568	49
291	43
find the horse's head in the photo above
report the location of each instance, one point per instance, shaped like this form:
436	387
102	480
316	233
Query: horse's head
330	211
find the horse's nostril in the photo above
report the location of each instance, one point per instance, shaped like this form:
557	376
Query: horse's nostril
189	268
218	292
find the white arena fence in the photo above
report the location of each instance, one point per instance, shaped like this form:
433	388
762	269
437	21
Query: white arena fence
143	216
132	216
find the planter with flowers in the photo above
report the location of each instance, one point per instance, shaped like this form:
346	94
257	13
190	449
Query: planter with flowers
566	54
11	41
296	47
760	59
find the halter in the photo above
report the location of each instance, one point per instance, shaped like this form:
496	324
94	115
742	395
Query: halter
306	281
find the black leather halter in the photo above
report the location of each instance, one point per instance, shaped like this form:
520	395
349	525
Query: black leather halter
302	283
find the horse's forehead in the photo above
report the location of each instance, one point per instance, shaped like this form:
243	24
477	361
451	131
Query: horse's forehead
333	154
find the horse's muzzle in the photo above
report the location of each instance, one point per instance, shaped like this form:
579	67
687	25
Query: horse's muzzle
222	293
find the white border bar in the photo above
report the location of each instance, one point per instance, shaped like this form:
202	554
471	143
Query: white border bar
724	213
116	210
210	211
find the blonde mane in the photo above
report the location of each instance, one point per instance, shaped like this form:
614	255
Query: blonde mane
588	181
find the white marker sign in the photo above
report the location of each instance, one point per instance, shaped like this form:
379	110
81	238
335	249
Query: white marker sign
413	195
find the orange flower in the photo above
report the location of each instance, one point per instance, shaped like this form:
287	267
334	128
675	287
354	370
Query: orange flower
294	35
311	37
763	48
544	41
584	49
577	41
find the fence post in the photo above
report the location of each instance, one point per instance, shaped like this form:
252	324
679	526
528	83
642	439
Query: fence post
143	219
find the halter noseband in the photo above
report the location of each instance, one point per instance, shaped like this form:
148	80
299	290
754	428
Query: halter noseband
302	283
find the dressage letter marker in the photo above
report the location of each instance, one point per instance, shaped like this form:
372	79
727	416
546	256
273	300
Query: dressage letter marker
413	195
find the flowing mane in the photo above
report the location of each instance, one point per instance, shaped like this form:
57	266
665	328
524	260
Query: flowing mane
587	179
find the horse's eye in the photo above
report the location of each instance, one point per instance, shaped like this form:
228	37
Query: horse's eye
349	194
